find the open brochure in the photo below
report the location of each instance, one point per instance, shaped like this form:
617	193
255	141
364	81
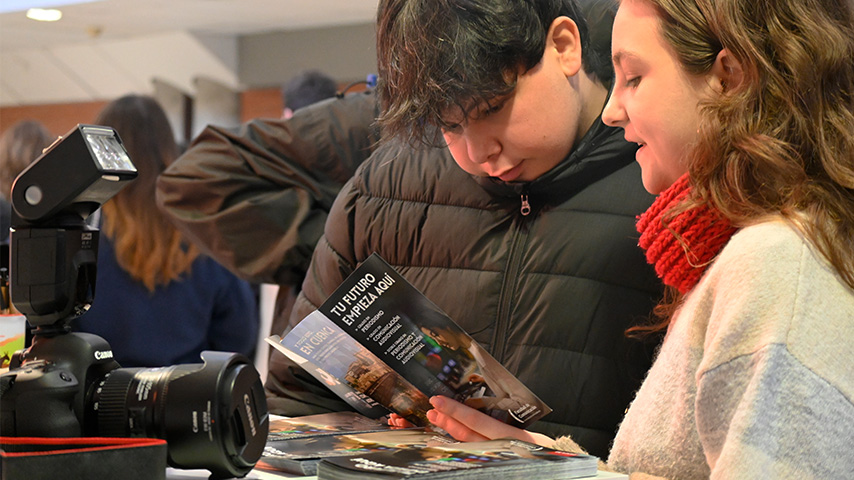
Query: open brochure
382	346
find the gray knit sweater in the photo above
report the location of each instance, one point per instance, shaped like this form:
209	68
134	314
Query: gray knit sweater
755	378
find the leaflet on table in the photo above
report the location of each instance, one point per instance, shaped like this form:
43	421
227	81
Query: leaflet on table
378	340
301	455
335	423
491	459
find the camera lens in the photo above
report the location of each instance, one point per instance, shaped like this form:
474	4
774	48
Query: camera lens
212	415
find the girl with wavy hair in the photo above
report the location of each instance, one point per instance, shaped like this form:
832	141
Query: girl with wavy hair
743	113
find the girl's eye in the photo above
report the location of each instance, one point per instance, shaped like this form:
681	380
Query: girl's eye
633	82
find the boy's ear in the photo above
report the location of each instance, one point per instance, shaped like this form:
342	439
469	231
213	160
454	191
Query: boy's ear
564	38
726	72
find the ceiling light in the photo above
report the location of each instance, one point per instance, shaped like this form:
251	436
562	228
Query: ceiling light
44	14
7	6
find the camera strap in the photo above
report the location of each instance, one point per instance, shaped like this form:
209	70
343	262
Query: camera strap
37	458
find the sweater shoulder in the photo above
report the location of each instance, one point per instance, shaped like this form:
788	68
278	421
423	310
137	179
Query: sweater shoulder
770	286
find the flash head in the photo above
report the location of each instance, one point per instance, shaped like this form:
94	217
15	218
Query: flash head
54	251
75	175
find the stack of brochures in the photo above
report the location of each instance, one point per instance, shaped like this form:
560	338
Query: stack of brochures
489	460
301	455
348	445
283	428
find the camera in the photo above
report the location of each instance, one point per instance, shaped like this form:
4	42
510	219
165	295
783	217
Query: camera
213	415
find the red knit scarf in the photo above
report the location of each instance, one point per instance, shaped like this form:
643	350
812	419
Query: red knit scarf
682	247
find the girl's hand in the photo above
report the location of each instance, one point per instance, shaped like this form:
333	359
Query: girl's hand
469	425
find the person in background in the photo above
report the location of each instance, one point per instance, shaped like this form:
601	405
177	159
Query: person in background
20	144
158	301
744	111
256	198
302	90
306	88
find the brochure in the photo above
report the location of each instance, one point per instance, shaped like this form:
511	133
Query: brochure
488	460
284	428
301	455
382	346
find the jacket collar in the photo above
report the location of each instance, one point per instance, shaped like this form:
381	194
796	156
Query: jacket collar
601	151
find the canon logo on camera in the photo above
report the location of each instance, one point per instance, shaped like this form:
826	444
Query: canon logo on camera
248	407
103	355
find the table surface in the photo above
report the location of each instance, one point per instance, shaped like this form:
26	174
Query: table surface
175	474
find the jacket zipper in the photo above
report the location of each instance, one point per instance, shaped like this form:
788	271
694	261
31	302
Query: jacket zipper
508	286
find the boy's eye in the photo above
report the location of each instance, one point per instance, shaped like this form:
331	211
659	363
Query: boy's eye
491	108
633	82
452	128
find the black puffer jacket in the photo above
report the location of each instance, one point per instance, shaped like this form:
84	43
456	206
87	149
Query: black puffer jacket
549	294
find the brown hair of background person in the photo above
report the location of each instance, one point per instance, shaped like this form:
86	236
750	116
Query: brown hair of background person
20	144
147	244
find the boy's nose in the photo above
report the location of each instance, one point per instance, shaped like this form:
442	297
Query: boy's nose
483	149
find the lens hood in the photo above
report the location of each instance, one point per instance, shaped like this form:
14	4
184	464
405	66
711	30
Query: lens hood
212	415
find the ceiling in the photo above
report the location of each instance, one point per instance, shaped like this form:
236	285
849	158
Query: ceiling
108	47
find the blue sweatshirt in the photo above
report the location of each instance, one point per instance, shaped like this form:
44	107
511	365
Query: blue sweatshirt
208	309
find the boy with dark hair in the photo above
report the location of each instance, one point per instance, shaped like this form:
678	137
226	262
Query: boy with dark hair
500	194
497	191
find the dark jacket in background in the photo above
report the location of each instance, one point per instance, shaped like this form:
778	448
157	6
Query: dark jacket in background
5	222
256	199
549	294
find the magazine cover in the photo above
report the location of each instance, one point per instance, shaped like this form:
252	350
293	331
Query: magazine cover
301	455
282	428
505	459
380	336
357	399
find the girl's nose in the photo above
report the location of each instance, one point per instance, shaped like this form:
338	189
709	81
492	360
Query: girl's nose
614	115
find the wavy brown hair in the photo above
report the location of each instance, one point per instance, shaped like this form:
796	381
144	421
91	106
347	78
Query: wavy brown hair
781	141
147	245
439	55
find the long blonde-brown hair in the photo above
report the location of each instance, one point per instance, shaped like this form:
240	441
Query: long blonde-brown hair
147	245
780	141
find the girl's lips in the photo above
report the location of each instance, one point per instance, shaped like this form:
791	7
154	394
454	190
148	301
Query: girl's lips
640	152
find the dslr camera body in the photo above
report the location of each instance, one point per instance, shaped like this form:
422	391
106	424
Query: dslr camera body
213	415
